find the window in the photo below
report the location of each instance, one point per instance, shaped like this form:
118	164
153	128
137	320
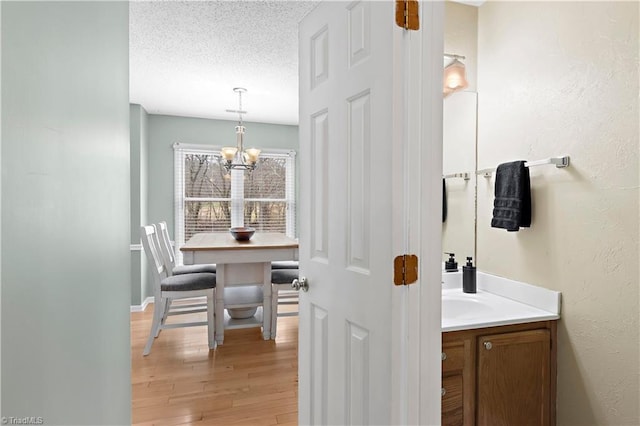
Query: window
266	203
207	198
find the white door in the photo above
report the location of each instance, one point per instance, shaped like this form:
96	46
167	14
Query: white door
353	337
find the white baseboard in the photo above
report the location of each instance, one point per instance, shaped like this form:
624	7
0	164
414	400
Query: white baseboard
141	308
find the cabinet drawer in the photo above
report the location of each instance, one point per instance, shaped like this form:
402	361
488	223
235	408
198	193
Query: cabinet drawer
452	410
452	357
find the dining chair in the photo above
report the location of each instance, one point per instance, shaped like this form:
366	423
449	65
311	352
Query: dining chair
282	294
167	288
169	255
284	264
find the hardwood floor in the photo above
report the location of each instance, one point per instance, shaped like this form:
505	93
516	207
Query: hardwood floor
246	381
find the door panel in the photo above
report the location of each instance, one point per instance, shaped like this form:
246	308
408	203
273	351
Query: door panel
346	251
358	182
357	375
319	360
319	57
319	144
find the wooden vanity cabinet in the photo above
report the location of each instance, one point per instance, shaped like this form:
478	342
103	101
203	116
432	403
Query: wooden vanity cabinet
500	375
457	381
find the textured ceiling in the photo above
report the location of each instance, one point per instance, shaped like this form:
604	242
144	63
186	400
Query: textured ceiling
187	56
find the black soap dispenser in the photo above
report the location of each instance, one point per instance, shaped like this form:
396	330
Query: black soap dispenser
451	265
469	277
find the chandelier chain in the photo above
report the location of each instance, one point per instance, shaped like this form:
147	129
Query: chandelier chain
240	105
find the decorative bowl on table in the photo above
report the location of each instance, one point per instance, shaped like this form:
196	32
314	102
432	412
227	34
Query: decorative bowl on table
242	233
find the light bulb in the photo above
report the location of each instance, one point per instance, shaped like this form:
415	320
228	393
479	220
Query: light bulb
228	152
252	154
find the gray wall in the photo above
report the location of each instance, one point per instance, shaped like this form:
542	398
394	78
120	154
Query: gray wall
140	287
65	216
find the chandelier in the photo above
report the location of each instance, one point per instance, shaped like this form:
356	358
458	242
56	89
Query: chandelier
236	157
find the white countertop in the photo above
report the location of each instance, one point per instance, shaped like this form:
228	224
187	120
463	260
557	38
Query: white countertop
498	301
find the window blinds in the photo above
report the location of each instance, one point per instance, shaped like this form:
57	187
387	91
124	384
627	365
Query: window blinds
208	199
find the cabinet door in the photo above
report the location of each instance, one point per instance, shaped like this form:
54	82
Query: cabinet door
514	379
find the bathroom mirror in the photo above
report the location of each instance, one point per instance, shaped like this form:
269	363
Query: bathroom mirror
459	133
458	160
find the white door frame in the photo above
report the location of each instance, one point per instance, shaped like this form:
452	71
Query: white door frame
423	215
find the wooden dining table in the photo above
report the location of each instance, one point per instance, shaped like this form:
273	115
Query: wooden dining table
240	263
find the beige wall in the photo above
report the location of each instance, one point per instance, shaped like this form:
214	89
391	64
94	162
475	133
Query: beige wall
554	79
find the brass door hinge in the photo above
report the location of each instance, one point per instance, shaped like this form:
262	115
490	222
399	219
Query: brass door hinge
407	14
405	269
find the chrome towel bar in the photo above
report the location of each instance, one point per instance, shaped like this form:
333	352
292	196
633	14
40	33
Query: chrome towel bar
560	162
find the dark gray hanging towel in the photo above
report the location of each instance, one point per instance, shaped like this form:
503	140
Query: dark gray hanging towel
444	201
512	205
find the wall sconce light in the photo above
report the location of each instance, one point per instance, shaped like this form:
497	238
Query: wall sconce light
454	78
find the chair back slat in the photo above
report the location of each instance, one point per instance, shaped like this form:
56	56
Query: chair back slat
168	255
150	243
